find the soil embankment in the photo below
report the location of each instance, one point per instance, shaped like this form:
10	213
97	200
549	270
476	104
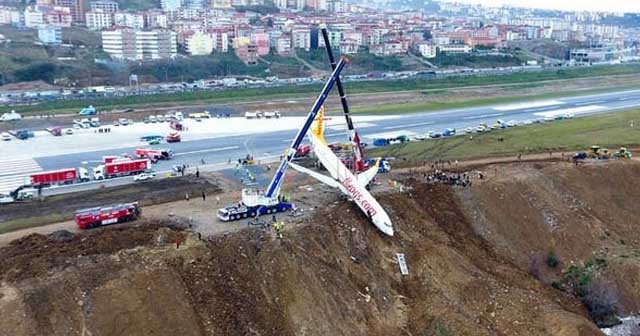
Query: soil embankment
478	260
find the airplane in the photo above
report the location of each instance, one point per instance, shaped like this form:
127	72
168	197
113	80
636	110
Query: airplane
354	186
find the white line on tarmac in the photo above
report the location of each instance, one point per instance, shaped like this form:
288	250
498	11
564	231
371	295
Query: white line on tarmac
483	116
590	103
409	125
208	150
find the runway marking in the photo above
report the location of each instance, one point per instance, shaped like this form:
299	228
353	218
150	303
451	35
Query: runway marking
408	125
626	106
12	167
573	110
590	103
520	106
10	183
540	109
358	125
483	116
207	150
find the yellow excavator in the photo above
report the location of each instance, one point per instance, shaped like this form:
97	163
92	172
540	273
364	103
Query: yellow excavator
598	153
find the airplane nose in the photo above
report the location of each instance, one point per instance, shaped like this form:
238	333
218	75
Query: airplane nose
388	229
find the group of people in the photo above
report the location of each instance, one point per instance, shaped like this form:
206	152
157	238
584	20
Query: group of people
439	176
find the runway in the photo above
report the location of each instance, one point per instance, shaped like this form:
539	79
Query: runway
216	141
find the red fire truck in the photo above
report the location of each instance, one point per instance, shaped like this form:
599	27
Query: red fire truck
60	176
106	215
154	154
121	168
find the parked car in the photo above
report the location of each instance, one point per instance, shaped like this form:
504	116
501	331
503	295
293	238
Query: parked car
153	119
160	118
68	131
123	121
147	138
6	136
144	177
10	116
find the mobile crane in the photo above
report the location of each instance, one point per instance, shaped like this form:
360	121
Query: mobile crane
254	202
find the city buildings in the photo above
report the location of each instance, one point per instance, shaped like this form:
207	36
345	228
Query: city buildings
210	26
76	8
133	44
98	19
199	44
50	34
105	6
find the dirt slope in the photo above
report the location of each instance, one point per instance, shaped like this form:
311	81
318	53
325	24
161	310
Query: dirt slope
333	274
581	215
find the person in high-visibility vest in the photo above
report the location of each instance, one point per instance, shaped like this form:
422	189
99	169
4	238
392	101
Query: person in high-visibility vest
278	227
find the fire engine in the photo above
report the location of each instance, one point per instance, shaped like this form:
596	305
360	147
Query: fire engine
106	215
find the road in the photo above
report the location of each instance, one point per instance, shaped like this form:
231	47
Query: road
216	141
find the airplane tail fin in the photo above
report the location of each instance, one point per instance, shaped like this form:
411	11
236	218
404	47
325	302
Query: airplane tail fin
317	128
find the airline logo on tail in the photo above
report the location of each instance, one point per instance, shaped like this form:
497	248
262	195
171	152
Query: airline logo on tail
317	128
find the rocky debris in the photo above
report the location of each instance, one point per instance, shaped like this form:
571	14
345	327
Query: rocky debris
61	236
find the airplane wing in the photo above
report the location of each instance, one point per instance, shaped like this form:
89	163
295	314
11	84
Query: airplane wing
320	177
366	176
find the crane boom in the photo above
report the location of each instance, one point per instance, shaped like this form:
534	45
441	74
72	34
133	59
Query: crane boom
343	95
358	154
291	152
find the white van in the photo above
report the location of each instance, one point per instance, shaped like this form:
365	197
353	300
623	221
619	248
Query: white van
10	116
5	136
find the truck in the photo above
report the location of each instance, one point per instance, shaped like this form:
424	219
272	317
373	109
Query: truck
22	134
250	205
55	131
10	116
121	168
173	137
383	167
175	125
106	215
380	142
303	150
449	132
256	202
274	114
253	115
154	154
60	176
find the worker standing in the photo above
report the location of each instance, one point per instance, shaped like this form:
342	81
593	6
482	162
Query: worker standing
278	227
204	196
186	196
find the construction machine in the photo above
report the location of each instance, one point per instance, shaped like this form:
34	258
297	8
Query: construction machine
623	153
599	153
254	202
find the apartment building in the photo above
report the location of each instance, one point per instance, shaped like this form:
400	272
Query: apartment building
50	34
132	44
129	20
199	44
75	6
105	6
98	19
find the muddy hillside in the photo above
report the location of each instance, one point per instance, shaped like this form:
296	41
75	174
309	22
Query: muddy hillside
527	250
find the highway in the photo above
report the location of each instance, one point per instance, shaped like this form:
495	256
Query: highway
216	141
